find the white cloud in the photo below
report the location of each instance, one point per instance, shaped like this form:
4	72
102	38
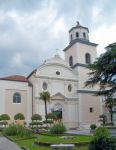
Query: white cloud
17	61
104	35
34	29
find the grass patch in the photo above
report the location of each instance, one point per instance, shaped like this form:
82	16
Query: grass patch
28	142
18	138
57	139
29	145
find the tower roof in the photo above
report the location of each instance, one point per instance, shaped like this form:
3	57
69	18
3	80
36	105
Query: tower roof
79	41
78	26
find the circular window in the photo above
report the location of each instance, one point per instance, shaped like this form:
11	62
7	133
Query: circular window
45	86
57	72
69	88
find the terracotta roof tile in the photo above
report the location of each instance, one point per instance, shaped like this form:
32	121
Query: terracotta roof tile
15	78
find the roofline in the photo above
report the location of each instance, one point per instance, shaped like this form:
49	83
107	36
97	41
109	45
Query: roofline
28	82
77	27
14	80
48	64
34	71
80	41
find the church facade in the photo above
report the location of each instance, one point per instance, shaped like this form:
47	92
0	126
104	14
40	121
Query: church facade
63	79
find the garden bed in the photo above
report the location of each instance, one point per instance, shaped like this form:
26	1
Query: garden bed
43	142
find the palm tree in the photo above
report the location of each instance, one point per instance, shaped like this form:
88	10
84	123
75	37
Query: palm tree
45	96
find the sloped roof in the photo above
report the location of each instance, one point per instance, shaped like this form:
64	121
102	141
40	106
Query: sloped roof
78	26
15	78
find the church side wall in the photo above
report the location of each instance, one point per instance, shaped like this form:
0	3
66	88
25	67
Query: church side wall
7	90
88	101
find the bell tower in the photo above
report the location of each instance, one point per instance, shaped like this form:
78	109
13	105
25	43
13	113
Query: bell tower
78	32
79	53
80	50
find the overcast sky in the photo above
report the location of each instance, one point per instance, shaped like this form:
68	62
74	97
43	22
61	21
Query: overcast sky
32	30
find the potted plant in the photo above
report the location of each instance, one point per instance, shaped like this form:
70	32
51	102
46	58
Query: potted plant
92	128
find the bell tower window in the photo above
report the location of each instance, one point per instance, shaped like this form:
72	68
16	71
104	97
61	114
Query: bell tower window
71	37
87	58
70	60
84	35
77	34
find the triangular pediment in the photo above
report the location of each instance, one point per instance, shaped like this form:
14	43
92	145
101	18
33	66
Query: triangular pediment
58	96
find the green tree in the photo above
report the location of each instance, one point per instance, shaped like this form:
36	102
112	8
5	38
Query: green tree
45	96
103	72
110	103
99	141
19	116
36	118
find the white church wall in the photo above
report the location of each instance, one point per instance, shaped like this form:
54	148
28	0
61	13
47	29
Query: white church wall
72	116
50	70
71	52
82	49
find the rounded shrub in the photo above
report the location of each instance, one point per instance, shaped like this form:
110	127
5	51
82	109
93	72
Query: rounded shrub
36	117
51	116
48	121
19	116
5	117
93	126
102	132
58	129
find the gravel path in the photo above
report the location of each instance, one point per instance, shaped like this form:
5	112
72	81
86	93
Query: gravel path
6	144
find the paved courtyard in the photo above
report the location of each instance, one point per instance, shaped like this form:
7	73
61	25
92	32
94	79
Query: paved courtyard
6	144
80	132
87	132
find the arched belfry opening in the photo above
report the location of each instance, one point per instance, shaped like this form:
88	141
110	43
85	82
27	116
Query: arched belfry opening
70	61
87	58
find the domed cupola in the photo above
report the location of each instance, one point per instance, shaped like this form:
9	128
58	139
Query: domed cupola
79	32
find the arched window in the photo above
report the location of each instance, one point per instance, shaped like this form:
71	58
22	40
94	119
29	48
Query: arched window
77	34
69	88
70	60
44	86
16	98
84	35
87	58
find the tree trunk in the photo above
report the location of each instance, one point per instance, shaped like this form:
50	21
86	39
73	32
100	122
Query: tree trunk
111	116
45	109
